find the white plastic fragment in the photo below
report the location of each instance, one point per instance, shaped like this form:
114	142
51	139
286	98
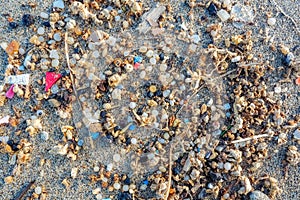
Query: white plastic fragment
271	21
74	172
59	4
223	15
4	120
22	79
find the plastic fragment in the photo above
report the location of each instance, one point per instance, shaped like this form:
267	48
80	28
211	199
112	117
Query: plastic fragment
138	59
136	65
12	48
51	78
10	93
5	120
297	81
22	79
95	135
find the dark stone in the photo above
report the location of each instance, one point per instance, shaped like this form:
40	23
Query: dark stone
13	25
10	142
140	110
27	19
117	128
212	9
127	181
150	95
161	56
158	93
47	24
124	196
103	114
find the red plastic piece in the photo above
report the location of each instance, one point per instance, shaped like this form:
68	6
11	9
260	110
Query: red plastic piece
10	92
136	65
51	78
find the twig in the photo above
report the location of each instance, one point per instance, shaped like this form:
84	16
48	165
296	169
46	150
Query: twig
24	191
287	16
170	174
250	138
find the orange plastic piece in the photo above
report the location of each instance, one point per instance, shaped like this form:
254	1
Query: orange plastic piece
13	48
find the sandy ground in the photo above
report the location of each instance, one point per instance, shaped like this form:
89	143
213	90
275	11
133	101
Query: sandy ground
57	168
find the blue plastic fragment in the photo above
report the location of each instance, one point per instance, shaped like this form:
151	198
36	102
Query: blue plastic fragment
132	127
80	142
145	182
228	114
227	106
137	59
21	68
95	135
186	120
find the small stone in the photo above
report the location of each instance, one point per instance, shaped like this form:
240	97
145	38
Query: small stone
96	191
271	21
277	89
116	94
55	89
38	190
13	25
195	38
163	67
54	54
117	18
109	167
143	74
44	15
96	169
74	172
133	141
99	196
132	105
212	9
55	63
166	136
236	59
296	134
143	49
152	88
258	195
111	41
149	54
55	103
27	19
59	4
57	37
166	93
125	188
223	15
44	135
116	157
227	166
153	61
117	186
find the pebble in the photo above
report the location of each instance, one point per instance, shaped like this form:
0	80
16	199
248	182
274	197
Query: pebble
109	167
166	93
154	112
125	188
38	190
271	21
153	61
96	54
44	15
195	38
59	4
212	9
149	54
117	18
54	54
227	166
277	89
70	40
149	68
41	39
143	74
55	89
236	59
132	105
99	196
80	143
166	136
57	37
41	30
226	106
27	20
133	141
223	15
74	172
111	41
143	49
258	195
164	117
296	134
116	157
117	186
132	127
96	169
163	67
116	94
44	135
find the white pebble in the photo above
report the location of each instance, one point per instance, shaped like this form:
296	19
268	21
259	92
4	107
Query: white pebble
149	68
153	61
96	169
166	93
109	167
223	15
133	141
143	49
41	39
236	59
44	15
55	63
116	94
277	89
227	166
117	186
57	37
154	112
44	135
116	157
38	190
195	38
143	74
164	117
132	105
54	54
117	18
226	3
182	87
99	196
41	31
74	172
59	4
163	67
96	54
271	21
70	40
125	188
166	136
126	53
149	54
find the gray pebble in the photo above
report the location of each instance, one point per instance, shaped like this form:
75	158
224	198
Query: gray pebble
258	195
